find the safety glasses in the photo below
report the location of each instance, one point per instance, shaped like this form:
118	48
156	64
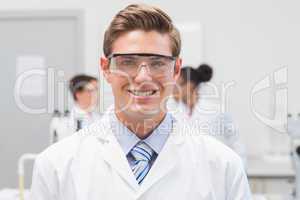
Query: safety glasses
131	64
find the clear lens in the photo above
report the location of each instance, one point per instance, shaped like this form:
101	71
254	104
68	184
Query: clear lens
131	64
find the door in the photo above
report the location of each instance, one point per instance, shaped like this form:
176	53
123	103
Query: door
39	52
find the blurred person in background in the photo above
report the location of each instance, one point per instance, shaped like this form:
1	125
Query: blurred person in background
84	90
85	93
188	106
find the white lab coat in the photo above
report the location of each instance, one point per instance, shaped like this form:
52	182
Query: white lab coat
87	118
91	165
208	119
66	126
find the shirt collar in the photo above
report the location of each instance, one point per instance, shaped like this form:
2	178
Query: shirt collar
155	140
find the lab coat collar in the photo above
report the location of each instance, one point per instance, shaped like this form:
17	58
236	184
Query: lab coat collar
155	140
79	111
113	154
165	162
103	130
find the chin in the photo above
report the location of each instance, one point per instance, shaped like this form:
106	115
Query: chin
144	110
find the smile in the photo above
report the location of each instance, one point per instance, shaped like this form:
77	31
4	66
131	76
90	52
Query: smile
142	93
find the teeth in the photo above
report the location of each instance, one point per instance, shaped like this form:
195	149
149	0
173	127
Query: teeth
144	93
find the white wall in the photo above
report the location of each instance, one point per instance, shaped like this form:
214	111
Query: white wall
244	41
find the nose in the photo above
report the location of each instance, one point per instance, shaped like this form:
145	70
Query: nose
143	74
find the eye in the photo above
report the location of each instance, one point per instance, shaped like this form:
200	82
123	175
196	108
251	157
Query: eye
157	64
126	62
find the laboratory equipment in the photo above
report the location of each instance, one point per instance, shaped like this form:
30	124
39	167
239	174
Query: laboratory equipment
294	132
21	172
54	126
59	126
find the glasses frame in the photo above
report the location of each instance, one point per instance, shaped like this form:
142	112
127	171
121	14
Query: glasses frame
172	58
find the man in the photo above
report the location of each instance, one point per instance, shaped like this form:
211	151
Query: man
84	90
138	150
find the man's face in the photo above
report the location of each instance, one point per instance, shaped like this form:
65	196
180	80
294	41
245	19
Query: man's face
87	99
141	94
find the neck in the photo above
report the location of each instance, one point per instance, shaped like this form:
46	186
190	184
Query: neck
191	108
142	127
83	108
176	98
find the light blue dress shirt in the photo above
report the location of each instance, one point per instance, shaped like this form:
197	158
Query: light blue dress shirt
156	140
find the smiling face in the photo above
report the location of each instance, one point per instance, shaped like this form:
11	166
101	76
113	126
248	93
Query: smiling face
143	95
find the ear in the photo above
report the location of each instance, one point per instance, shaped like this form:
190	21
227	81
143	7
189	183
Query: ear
104	65
178	65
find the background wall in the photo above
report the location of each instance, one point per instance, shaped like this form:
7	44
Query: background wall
243	40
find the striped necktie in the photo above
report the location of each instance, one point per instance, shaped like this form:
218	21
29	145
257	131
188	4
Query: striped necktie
142	155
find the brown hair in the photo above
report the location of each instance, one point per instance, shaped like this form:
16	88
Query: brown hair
143	17
78	83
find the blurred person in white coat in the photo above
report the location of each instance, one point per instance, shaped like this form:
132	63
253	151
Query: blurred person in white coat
190	108
84	90
138	150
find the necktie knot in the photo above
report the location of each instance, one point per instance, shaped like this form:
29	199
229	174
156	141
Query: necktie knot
142	151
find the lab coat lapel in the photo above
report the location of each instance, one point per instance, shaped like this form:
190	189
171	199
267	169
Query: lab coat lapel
115	157
165	162
113	154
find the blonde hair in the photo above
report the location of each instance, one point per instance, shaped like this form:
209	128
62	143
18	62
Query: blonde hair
141	17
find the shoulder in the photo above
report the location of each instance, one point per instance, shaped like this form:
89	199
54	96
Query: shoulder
216	153
66	150
217	148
